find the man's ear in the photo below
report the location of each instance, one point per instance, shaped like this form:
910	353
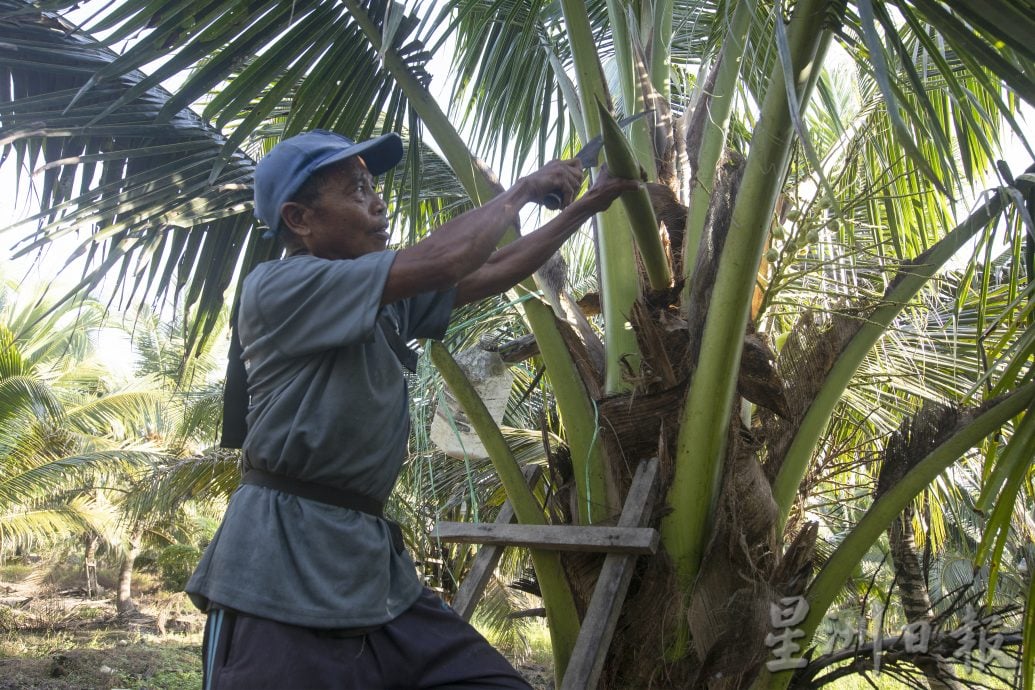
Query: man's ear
293	215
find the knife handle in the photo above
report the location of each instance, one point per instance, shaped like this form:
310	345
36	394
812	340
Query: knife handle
552	201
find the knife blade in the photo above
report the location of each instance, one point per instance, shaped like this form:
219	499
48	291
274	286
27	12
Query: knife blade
588	157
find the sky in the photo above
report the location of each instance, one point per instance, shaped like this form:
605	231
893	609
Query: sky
47	269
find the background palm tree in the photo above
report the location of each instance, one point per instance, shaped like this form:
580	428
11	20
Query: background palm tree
65	426
816	223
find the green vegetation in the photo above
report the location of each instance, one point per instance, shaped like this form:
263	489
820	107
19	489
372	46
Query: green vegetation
176	562
101	661
53	637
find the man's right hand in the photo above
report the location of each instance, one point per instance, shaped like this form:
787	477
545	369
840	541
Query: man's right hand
563	179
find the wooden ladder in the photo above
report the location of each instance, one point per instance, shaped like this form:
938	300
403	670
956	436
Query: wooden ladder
622	544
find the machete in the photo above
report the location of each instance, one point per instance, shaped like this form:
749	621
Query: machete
588	157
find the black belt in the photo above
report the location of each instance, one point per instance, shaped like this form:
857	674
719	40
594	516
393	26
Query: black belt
333	495
323	493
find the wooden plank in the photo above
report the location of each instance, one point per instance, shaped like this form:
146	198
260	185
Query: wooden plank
488	557
593	538
470	591
598	627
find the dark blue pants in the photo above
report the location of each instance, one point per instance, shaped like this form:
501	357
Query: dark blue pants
429	646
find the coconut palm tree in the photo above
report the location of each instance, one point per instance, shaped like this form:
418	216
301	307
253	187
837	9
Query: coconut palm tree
78	447
787	248
62	424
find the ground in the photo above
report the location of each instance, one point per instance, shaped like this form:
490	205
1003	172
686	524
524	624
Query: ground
118	663
54	637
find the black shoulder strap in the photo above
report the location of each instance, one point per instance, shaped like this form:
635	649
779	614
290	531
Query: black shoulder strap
235	391
406	356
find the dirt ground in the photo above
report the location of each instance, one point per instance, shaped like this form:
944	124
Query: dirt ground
60	639
135	665
54	638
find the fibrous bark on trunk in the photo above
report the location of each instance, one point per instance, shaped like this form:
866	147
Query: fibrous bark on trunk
124	600
907	446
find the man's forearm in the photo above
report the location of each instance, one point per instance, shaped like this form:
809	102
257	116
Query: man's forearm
519	259
478	232
456	249
460	247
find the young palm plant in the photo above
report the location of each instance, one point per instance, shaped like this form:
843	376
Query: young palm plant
688	305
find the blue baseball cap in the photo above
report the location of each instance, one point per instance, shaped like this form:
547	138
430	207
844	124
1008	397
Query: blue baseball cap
290	163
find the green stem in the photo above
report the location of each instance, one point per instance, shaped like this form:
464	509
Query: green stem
589	463
913	276
701	445
619	288
589	75
661	34
620	33
1017	457
713	139
637	91
619	283
1010	459
644	225
561	615
831	579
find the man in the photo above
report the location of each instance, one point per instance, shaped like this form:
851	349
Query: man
307	586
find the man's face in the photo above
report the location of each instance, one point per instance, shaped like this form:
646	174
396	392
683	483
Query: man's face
348	218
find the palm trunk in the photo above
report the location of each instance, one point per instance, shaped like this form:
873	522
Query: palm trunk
916	600
90	564
124	599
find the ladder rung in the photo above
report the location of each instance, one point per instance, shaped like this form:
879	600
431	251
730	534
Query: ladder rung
632	540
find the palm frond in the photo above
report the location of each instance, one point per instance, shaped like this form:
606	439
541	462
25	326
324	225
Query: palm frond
27	524
164	195
202	479
145	190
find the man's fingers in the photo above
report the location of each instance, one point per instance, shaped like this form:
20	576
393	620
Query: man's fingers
571	175
606	189
560	181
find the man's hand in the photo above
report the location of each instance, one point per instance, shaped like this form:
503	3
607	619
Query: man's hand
463	251
527	253
605	190
560	178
